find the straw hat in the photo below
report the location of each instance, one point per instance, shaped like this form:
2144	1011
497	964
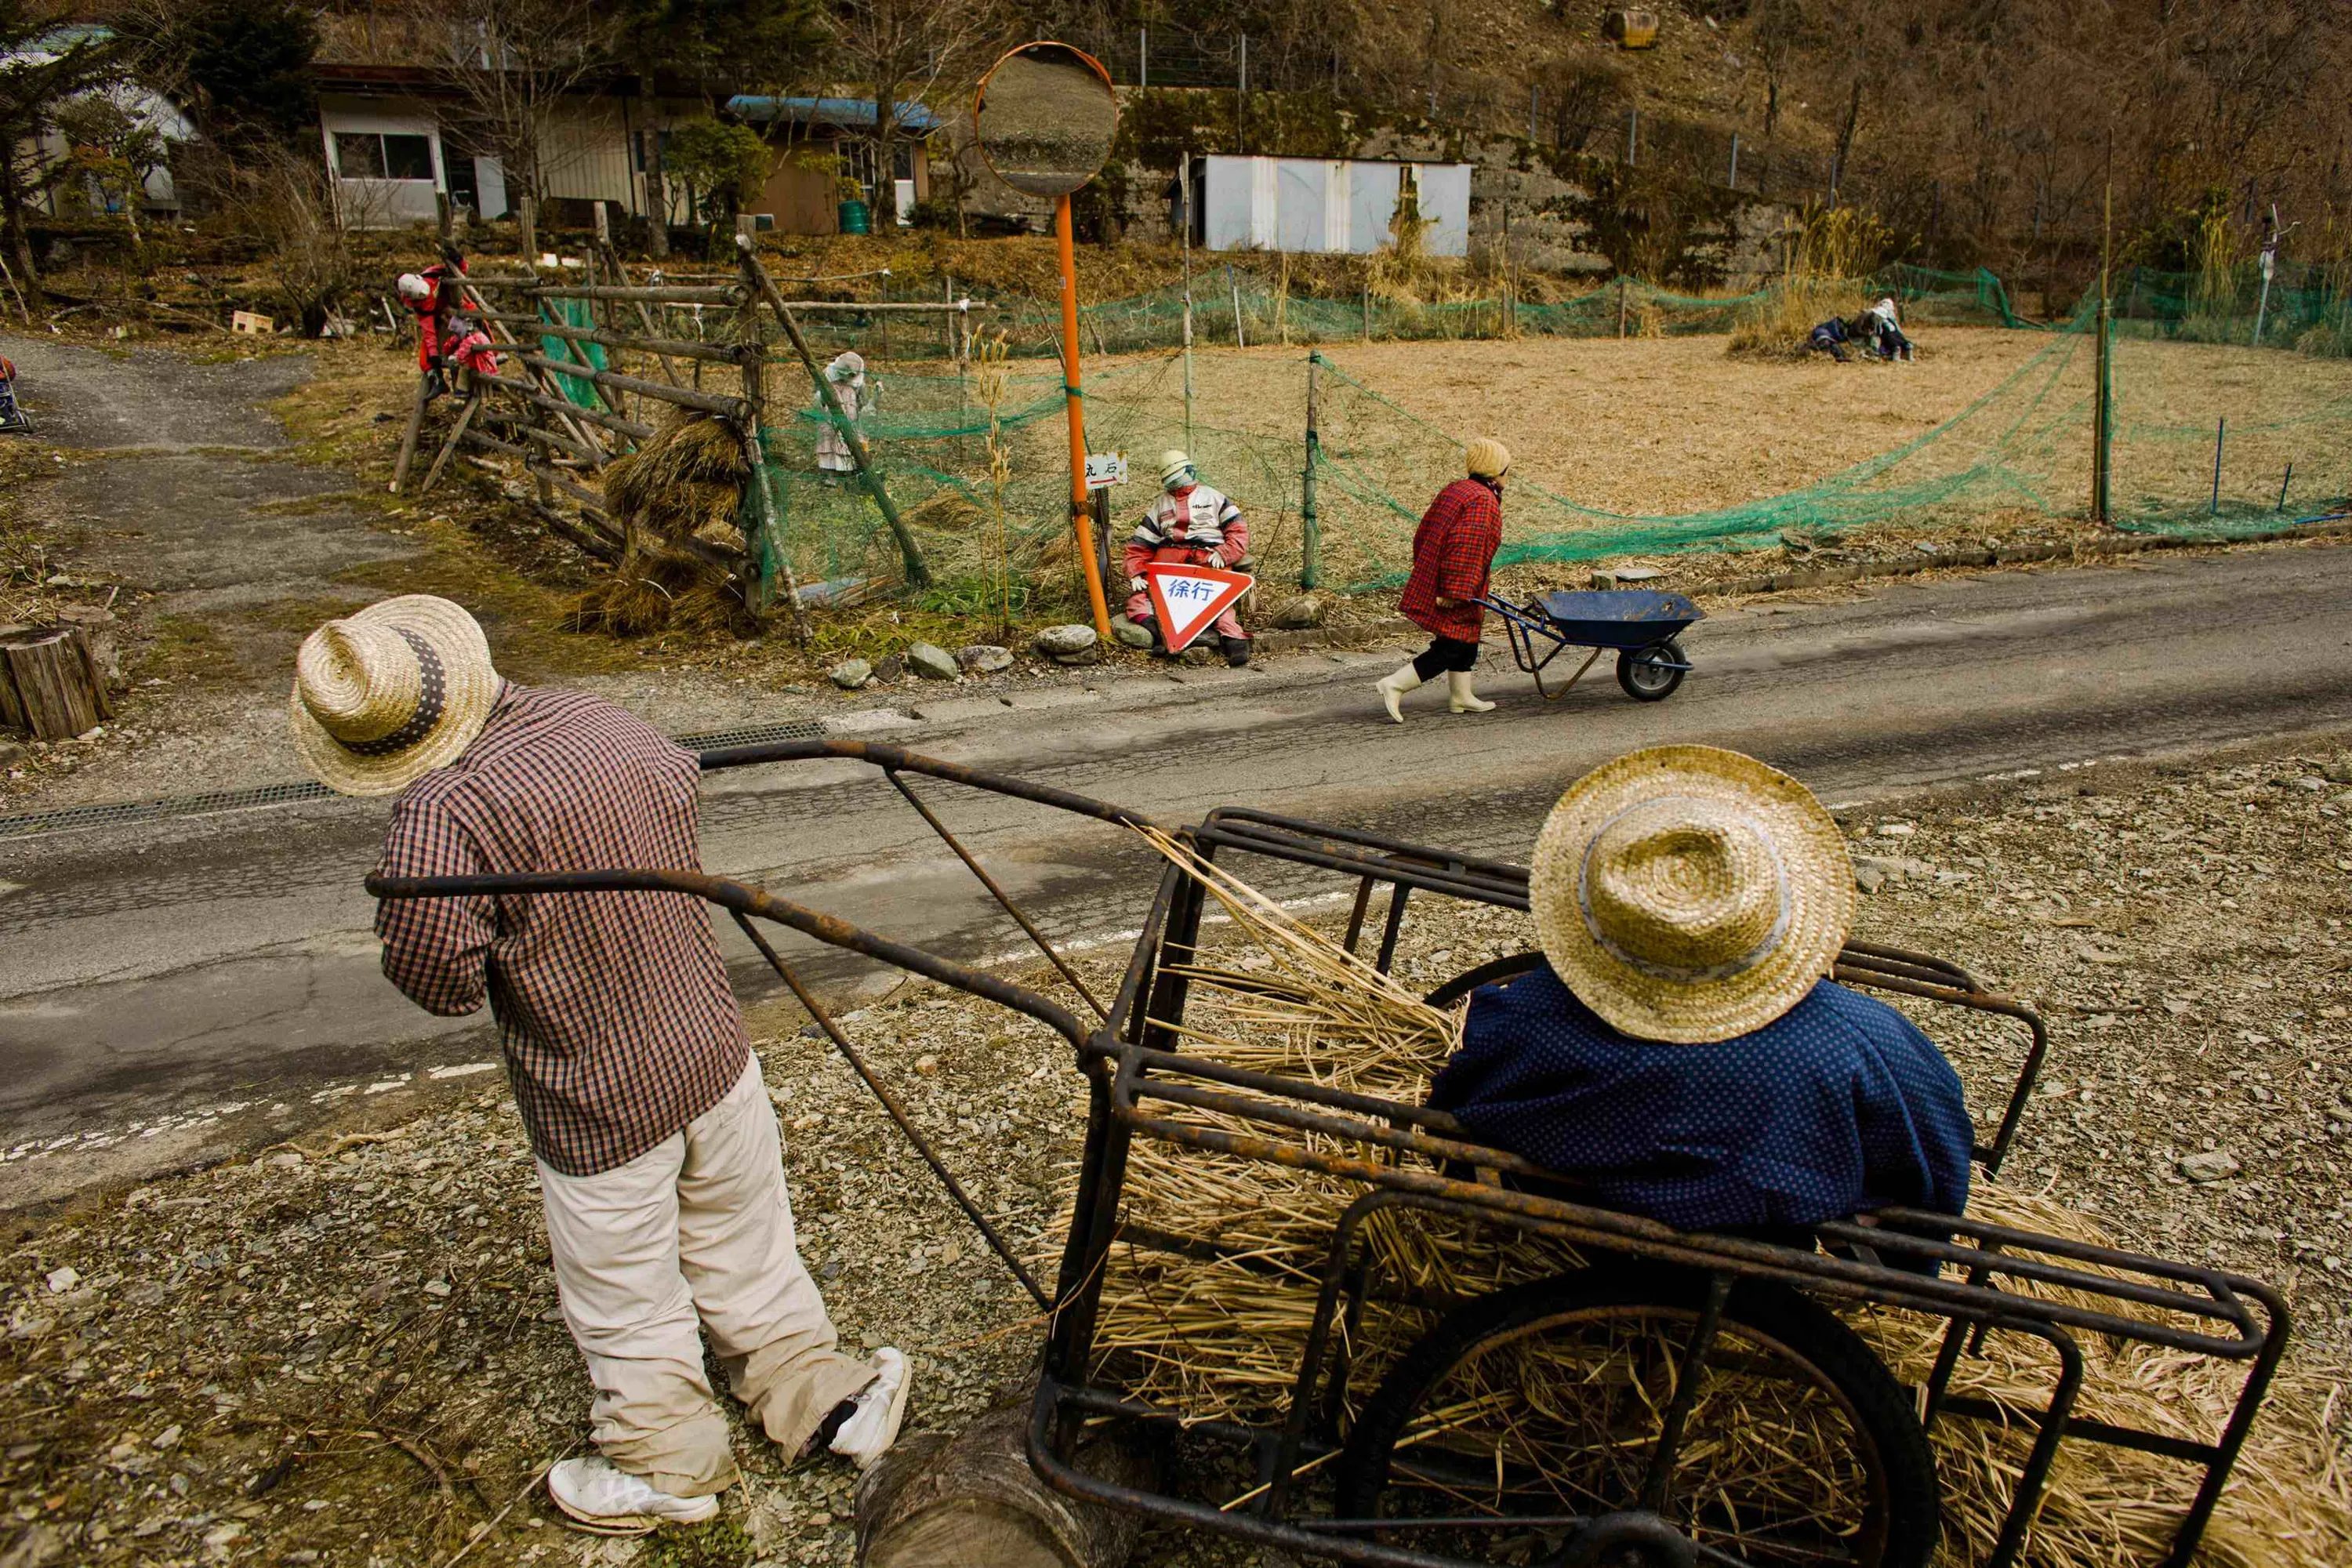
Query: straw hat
382	697
1488	458
1689	894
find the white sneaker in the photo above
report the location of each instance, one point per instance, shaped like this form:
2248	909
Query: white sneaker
881	1404
600	1496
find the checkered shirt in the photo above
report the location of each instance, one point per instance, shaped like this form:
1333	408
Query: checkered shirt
618	1023
1453	551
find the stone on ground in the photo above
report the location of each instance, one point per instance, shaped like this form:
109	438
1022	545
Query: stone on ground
1128	633
851	673
932	662
2214	1166
1300	614
1069	644
985	659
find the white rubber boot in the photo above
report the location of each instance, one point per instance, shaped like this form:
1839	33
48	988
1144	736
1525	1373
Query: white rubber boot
1460	698
1393	686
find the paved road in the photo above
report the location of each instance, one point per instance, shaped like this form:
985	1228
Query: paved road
228	958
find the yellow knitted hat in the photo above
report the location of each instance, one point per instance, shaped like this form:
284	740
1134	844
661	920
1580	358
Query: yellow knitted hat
1489	459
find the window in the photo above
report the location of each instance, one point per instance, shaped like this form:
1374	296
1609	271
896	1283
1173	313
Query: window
373	155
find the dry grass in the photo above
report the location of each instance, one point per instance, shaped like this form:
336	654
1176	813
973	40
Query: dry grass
1225	1339
684	483
1831	258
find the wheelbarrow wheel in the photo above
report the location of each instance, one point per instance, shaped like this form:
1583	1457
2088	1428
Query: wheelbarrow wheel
1523	1428
1649	674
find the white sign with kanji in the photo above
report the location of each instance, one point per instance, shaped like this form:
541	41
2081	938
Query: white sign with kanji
1188	598
1105	469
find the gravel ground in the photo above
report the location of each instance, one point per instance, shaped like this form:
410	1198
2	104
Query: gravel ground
346	1353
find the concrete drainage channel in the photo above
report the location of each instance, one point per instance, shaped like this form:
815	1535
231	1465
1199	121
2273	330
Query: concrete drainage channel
124	814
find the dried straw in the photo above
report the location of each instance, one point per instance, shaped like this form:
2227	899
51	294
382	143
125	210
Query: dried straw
1224	1339
685	481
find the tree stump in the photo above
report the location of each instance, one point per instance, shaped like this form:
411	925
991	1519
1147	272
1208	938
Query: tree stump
970	1499
50	684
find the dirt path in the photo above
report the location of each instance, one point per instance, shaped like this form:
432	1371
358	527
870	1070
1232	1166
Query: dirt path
195	502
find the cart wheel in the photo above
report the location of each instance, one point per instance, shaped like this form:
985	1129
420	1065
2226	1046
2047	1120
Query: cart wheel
1642	674
1521	1429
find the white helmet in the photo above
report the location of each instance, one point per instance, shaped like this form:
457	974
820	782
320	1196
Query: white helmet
414	287
1175	471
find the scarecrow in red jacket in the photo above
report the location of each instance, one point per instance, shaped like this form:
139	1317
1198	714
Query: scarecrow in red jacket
1189	524
1453	552
12	418
432	296
466	347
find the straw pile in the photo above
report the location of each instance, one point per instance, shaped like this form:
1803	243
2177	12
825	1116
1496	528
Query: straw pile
1224	1339
685	482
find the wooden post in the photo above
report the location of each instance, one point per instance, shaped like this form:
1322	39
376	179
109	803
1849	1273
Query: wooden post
408	437
1185	199
449	448
50	685
1239	342
972	1499
1310	536
918	575
2103	412
765	555
1621	304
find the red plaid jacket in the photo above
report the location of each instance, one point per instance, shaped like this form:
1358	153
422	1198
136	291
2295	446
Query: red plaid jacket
1453	551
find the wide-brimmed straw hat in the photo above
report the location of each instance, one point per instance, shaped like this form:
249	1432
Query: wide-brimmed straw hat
1690	894
387	695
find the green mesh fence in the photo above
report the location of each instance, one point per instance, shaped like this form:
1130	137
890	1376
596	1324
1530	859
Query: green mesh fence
572	313
1238	306
2019	450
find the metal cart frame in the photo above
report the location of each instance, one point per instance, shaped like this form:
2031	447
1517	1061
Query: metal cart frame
1135	1070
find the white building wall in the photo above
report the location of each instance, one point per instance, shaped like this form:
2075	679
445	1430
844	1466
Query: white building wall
1336	206
381	203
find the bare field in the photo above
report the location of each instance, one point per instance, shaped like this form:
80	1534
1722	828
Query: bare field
1663	428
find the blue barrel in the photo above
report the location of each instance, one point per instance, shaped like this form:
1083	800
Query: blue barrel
855	218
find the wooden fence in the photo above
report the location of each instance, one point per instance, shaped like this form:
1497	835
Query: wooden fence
564	419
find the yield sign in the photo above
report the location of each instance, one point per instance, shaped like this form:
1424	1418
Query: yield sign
1187	598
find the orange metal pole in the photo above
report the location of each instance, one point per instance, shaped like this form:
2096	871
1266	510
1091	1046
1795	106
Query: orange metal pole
1081	513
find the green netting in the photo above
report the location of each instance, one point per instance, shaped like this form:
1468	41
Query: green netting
572	313
2021	450
1237	306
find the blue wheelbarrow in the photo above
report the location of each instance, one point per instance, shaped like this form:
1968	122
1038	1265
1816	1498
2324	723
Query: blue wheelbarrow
1639	625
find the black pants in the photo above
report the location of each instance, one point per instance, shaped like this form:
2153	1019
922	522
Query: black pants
1443	654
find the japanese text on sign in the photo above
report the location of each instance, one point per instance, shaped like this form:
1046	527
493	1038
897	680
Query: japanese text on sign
1105	469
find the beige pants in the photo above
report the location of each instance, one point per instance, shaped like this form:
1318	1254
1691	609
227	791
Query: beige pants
699	1225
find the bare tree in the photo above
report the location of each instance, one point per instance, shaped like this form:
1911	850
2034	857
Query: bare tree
39	74
511	63
904	51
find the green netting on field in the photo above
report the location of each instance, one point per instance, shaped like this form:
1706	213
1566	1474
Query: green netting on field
2021	450
1240	307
